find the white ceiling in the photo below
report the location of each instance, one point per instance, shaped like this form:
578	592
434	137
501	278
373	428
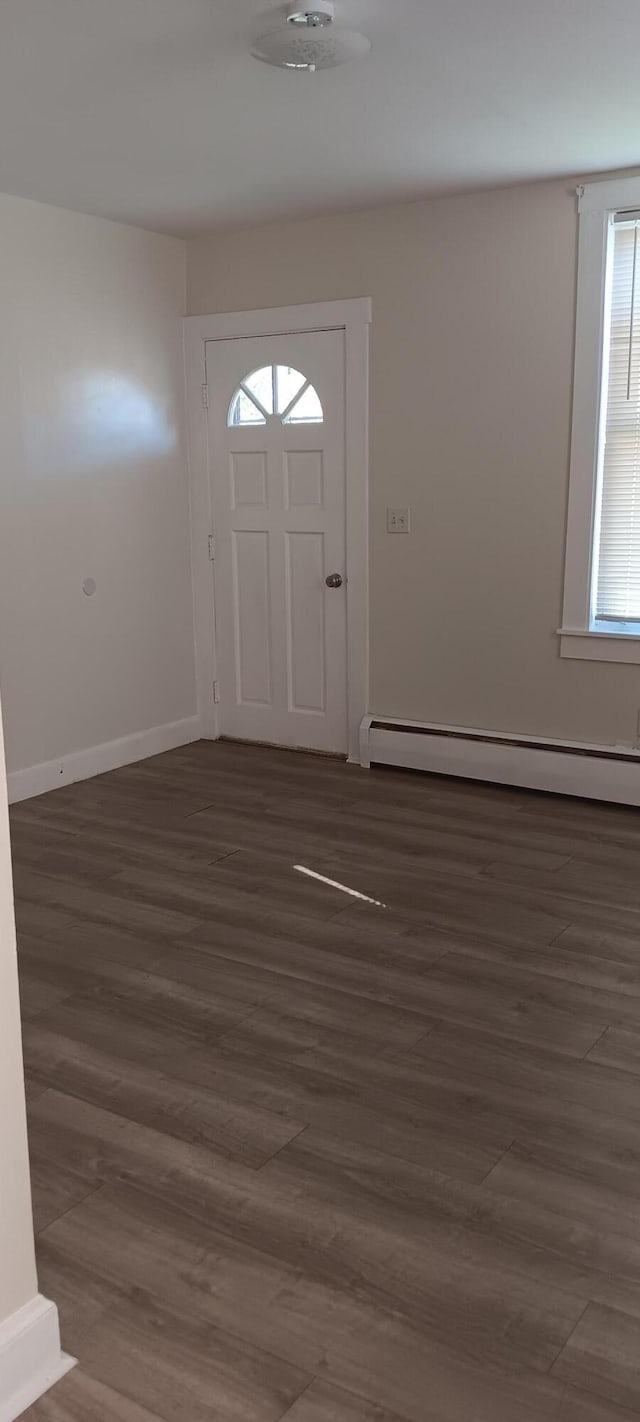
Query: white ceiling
154	112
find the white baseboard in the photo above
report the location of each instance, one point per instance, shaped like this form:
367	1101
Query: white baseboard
593	772
81	765
31	1360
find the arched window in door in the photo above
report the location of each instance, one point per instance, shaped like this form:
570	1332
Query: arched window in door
275	392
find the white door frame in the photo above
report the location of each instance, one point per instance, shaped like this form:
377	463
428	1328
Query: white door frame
354	318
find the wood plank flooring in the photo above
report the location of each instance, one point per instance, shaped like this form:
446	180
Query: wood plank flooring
355	1144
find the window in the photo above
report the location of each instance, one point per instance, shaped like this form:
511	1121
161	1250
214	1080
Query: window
601	618
616	591
275	391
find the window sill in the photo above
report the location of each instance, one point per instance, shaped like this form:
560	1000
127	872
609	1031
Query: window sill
599	646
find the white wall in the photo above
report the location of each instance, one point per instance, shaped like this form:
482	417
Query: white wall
472	358
18	1282
92	483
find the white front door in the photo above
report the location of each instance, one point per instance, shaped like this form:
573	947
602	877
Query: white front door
277	468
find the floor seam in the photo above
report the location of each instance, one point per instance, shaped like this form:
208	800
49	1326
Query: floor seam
95	1190
496	1163
301	1395
568	1339
586	1055
285	1146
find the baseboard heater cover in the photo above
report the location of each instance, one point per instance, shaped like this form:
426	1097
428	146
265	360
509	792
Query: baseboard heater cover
593	772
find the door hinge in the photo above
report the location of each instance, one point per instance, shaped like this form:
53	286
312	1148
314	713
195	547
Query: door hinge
216	692
205	396
211	548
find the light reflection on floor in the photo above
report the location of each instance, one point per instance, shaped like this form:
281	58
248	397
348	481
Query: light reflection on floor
333	884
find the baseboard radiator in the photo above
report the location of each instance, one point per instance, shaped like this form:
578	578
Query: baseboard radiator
564	768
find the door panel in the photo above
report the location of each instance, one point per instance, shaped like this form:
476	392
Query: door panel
252	620
248	480
278	500
305	622
305	480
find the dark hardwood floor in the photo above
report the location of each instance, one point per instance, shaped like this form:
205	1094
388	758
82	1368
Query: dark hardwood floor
367	1153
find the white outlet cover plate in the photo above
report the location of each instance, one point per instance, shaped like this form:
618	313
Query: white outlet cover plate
398	520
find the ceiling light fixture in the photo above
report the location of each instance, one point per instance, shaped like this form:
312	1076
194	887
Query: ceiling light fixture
308	40
321	15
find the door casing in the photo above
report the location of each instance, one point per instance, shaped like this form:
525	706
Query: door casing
354	318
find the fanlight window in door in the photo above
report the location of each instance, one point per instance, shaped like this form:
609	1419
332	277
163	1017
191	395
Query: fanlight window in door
275	391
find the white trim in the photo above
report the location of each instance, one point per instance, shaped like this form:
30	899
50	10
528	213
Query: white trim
30	1357
201	520
563	767
591	646
586	419
365	738
596	203
96	760
611	195
280	320
354	317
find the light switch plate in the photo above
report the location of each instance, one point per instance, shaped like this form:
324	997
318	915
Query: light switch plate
398	520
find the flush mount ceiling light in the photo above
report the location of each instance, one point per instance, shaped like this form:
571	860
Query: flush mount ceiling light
308	40
320	16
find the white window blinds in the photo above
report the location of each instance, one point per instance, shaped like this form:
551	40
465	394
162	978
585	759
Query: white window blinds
617	582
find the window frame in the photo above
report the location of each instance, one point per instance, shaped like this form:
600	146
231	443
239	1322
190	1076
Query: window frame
597	203
284	416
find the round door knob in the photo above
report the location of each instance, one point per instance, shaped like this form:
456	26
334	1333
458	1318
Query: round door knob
334	580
